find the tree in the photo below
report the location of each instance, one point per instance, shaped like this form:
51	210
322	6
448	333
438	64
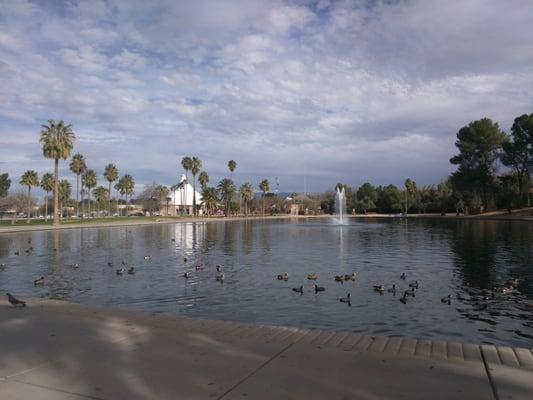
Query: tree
247	193
111	174
65	189
100	195
226	189
186	163
232	164
367	197
78	167
209	199
29	179
128	186
196	165
89	180
57	139
518	152
203	178
120	188
479	144
410	192
47	184
17	202
389	199
264	186
5	184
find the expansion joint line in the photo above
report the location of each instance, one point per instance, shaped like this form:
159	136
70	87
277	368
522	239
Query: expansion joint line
489	375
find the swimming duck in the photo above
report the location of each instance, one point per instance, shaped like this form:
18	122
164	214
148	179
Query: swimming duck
283	277
75	266
446	299
120	271
184	259
339	278
39	281
2	267
131	271
319	289
346	299
109	264
186	275
512	283
219	268
17	253
392	289
312	276
349	277
379	288
172	240
199	268
147	257
298	289
402	276
414	285
403	299
220	278
507	290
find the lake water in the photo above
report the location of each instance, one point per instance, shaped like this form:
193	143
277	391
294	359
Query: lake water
465	259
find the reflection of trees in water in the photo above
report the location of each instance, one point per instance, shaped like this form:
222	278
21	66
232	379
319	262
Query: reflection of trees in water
228	239
516	244
247	238
5	242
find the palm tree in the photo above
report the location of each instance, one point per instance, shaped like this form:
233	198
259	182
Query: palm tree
29	179
264	186
186	163
203	178
209	199
47	184
247	193
78	166
196	166
111	174
128	186
119	187
232	164
226	189
89	179
65	189
100	195
57	139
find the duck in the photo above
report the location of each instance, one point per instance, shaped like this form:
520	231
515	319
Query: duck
124	263
131	271
184	259
513	283
446	299
186	275
110	264
392	289
403	299
298	289
39	281
319	289
507	290
17	253
219	268
199	268
283	277
413	291
147	257
339	278
220	278
172	240
312	276
414	285
120	271
75	266
346	299
349	277
402	276
2	267
379	288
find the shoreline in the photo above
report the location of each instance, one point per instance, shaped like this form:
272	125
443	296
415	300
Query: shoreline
493	216
60	350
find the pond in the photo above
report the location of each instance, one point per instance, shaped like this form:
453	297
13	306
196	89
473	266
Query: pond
469	260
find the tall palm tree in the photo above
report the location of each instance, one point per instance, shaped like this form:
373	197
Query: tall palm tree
100	195
128	186
57	139
226	189
119	187
196	166
78	167
29	179
232	164
64	189
47	184
247	193
264	186
186	163
209	199
89	180
111	174
203	178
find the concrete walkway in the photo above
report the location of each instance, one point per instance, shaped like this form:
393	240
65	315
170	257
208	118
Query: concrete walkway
59	350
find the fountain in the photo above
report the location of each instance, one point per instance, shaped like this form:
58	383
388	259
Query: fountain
340	205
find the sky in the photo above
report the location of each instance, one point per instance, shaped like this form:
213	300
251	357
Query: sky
314	92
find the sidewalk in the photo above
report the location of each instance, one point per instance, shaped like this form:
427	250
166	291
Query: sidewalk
59	350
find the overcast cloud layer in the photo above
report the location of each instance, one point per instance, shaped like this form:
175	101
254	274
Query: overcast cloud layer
335	91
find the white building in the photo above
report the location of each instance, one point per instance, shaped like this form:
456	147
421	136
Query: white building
181	202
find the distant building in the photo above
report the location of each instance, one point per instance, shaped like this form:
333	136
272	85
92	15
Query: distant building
181	200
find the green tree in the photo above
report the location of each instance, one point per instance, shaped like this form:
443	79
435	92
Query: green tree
186	163
57	139
389	199
196	166
65	190
100	196
5	184
29	179
479	144
410	193
47	184
367	197
232	164
264	187
247	193
210	199
111	174
78	167
226	190
128	186
89	180
203	178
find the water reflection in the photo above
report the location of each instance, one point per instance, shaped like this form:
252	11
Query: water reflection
471	260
